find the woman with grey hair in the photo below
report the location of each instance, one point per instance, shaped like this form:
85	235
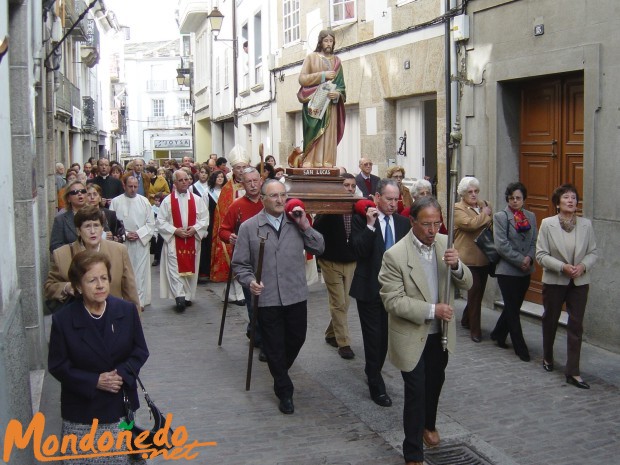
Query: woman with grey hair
471	216
423	188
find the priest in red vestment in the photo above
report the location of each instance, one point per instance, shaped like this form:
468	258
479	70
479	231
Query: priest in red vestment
182	221
221	252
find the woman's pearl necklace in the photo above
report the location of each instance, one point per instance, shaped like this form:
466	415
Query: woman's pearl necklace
98	317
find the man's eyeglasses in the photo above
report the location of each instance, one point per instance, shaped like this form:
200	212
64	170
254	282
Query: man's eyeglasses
277	196
435	225
515	198
77	191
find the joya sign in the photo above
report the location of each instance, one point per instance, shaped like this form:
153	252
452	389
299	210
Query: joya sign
53	449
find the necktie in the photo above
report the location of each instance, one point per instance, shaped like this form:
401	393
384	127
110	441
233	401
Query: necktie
389	237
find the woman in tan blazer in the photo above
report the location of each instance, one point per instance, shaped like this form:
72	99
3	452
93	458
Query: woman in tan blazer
566	249
471	216
89	226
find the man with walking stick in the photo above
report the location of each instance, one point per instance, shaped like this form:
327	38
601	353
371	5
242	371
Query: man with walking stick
239	211
282	291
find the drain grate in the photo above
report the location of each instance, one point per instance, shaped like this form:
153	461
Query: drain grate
454	454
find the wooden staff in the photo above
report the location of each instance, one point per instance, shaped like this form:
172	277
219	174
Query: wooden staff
262	163
228	283
259	272
455	138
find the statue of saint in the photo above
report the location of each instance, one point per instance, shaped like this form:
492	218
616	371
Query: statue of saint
323	124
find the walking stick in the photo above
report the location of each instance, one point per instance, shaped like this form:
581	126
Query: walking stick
455	137
228	283
262	163
259	272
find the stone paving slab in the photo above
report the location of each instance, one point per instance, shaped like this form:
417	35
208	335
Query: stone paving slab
509	411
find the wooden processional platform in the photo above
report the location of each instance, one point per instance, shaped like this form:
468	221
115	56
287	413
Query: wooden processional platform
320	189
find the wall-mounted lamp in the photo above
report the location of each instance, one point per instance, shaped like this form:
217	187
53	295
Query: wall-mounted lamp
183	75
186	116
216	18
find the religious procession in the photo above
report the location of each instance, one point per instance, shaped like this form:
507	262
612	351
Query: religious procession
451	208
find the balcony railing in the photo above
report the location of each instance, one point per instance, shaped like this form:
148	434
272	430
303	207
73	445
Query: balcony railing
166	122
67	96
73	9
89	118
159	85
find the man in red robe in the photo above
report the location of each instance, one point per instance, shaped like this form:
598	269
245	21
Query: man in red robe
221	252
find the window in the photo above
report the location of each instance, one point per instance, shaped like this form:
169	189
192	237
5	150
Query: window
342	10
157	108
125	148
244	55
226	74
217	75
258	50
185	105
187	51
291	21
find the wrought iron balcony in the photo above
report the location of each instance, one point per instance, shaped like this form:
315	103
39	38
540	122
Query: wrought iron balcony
67	96
89	118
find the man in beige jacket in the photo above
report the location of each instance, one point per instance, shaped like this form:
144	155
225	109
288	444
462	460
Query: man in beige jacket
412	276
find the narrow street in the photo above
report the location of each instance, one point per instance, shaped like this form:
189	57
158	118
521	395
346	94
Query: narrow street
493	405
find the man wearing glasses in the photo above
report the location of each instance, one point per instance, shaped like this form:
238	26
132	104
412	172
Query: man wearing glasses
365	180
282	292
412	276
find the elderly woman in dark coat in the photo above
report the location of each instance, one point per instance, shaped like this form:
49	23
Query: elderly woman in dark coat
92	342
514	231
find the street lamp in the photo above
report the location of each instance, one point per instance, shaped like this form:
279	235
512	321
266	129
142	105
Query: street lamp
186	116
182	77
216	18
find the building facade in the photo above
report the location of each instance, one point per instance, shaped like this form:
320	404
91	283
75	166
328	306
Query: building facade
158	109
540	105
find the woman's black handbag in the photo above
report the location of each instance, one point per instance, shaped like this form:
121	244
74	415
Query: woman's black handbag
156	415
485	242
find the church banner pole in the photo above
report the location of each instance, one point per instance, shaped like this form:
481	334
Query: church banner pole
455	139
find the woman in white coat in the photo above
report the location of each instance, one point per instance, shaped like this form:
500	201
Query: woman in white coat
566	249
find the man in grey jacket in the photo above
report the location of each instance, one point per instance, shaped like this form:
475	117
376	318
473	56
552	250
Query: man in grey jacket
283	291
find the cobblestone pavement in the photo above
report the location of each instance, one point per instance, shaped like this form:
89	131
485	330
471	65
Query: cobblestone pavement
509	411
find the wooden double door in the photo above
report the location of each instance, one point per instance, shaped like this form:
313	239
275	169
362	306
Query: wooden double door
551	146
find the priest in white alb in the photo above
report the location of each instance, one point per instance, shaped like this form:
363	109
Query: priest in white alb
135	212
182	221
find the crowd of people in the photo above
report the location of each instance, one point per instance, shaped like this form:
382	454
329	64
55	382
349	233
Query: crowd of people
211	223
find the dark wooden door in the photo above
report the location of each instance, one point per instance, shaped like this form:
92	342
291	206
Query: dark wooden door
551	147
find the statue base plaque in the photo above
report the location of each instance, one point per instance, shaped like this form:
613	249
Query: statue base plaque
320	189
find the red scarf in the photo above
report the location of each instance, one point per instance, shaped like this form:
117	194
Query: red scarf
186	248
521	222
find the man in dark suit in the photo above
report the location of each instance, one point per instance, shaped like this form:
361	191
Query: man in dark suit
371	236
366	181
110	187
